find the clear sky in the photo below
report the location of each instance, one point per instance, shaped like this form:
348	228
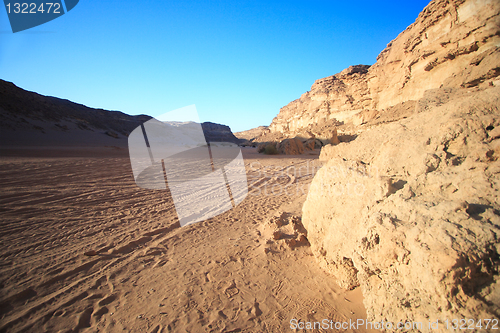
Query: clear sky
238	61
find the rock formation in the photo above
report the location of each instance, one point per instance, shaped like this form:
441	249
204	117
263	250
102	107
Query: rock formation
250	134
331	101
218	133
290	147
28	119
408	209
451	44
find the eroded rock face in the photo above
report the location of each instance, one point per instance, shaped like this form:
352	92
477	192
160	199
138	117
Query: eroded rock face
332	99
251	133
409	211
451	44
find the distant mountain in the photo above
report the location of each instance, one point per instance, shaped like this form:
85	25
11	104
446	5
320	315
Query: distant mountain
251	133
28	119
218	133
31	119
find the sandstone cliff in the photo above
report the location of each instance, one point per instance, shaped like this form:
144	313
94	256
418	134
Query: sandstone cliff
451	44
409	209
331	101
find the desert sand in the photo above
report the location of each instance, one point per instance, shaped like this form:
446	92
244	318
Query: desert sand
415	135
85	249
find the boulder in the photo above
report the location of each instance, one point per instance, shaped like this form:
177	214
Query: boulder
409	211
290	147
305	135
310	144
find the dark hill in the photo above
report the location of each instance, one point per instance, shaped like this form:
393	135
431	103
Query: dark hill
31	120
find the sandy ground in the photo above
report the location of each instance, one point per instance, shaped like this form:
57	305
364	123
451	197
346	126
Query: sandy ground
84	249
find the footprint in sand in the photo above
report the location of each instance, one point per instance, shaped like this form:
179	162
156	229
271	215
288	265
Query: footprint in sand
157	329
99	313
84	318
107	300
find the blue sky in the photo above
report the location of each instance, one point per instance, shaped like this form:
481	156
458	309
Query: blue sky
238	61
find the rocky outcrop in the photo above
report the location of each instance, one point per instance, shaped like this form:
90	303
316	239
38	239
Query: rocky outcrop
451	44
218	133
330	101
251	133
290	147
408	209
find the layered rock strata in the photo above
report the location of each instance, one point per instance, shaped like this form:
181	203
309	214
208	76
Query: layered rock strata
451	44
